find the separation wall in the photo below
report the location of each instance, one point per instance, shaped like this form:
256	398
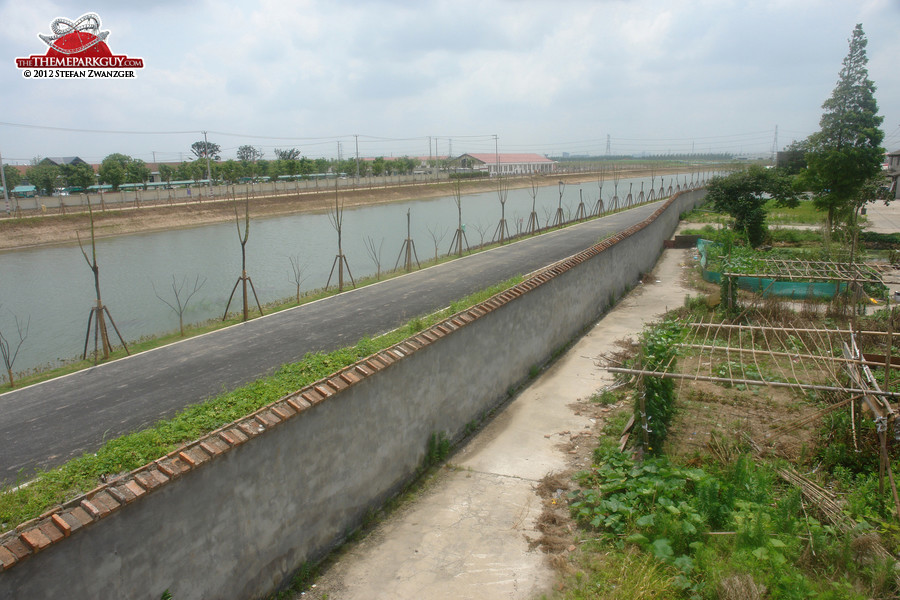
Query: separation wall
235	513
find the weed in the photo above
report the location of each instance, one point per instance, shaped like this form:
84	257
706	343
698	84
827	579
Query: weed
437	450
606	398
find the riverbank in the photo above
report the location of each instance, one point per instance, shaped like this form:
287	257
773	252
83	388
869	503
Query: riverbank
40	230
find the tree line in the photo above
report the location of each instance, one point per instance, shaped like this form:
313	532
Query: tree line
117	169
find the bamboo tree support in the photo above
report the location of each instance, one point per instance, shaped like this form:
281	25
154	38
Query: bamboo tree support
501	234
580	214
408	248
101	337
337	221
244	279
559	219
598	206
460	235
533	223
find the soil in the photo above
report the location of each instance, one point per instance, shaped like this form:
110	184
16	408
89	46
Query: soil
41	229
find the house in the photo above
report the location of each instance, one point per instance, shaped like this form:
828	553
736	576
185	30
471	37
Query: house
506	164
62	160
893	171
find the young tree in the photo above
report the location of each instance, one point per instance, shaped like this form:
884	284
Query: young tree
298	272
181	301
743	195
244	278
11	353
374	252
847	151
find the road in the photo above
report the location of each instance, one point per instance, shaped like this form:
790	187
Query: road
47	424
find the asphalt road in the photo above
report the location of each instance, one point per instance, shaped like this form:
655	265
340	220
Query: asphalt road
49	423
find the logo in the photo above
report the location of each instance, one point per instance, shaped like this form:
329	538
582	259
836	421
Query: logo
78	49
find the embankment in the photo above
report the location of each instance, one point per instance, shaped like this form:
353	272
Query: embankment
235	513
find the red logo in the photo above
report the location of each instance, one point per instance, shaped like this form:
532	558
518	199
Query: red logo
78	49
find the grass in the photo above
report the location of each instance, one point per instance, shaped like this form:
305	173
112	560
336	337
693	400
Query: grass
49	488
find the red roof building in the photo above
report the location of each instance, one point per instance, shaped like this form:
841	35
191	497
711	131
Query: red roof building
507	164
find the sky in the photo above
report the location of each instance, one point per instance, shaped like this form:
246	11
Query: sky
445	77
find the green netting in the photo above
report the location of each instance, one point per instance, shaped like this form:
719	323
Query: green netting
767	286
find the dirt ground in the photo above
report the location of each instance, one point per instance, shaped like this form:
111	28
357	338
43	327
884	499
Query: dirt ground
36	230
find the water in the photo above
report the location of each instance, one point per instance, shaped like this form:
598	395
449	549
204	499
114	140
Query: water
53	286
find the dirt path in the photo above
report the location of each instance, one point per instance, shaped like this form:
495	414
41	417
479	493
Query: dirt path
37	230
469	534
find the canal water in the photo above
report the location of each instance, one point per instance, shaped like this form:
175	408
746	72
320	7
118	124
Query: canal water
53	286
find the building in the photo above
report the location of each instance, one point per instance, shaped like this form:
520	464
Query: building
63	160
506	164
893	171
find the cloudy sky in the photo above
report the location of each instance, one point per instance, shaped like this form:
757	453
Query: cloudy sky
549	77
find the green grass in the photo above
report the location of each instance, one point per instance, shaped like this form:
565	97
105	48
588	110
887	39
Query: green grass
131	451
804	214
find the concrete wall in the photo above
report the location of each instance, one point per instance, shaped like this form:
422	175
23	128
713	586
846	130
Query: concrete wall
237	512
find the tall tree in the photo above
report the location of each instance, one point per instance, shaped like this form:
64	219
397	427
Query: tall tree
289	154
208	149
847	151
249	153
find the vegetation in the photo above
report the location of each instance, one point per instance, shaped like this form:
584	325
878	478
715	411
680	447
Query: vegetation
846	152
744	195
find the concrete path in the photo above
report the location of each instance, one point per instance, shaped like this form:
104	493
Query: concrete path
466	536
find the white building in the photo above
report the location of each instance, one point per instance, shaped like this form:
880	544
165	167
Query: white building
507	164
893	171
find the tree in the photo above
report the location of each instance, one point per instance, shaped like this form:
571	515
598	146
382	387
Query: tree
298	270
180	304
289	154
743	195
206	149
137	171
43	177
11	353
79	176
12	175
166	172
113	169
847	151
249	153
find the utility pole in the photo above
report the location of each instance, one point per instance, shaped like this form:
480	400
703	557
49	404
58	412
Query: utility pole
775	148
3	181
357	158
497	154
208	169
607	144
